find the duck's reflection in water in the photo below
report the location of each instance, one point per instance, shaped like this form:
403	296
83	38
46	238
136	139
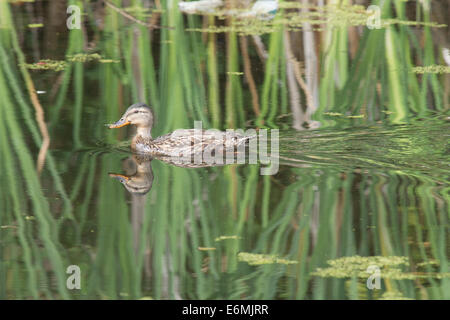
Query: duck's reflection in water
138	179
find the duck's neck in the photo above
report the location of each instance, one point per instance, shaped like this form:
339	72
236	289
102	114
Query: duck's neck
143	136
144	132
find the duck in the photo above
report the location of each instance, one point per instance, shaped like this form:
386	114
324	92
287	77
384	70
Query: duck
182	143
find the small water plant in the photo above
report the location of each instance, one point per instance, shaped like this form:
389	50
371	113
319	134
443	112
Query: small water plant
47	64
255	259
60	65
391	267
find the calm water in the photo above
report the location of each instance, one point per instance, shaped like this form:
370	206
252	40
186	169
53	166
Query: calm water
369	189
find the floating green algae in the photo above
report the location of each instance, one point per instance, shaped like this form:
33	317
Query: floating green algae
255	259
432	69
47	64
333	114
59	65
35	25
427	263
84	57
351	116
221	238
393	295
231	73
357	116
390	268
240	28
290	18
359	291
108	61
206	248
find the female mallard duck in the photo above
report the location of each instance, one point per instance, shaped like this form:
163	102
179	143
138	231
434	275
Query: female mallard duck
141	181
180	143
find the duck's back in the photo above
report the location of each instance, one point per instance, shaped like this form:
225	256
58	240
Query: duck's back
186	142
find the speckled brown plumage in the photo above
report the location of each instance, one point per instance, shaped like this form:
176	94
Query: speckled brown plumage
182	143
185	142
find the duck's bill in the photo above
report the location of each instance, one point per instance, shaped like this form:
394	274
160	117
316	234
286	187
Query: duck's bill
119	177
119	124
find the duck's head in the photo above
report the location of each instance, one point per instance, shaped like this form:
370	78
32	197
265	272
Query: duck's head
141	181
136	184
138	114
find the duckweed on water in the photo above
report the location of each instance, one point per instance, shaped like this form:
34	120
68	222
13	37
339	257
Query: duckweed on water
333	114
393	295
108	61
47	64
427	263
337	114
316	17
356	116
84	57
390	268
255	259
432	69
59	65
206	248
231	73
35	25
242	28
221	238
